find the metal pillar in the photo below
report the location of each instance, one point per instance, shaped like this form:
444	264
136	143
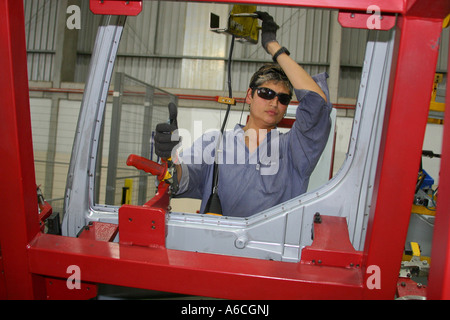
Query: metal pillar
78	199
439	278
400	151
19	214
114	138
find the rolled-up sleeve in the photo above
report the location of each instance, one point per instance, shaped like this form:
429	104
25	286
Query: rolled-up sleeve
310	132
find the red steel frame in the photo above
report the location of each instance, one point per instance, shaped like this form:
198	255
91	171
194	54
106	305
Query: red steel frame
34	265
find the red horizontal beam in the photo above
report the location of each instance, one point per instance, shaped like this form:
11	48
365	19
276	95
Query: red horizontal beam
190	272
417	8
359	5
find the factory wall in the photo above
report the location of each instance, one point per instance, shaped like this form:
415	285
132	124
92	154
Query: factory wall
169	44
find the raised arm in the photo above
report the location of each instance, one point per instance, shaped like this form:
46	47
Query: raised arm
299	78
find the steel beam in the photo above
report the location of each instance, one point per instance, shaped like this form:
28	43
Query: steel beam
191	273
360	5
405	122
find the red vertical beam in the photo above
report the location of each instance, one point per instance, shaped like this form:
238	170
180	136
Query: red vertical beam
19	215
412	74
439	279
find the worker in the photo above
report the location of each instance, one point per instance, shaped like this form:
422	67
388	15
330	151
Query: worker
259	167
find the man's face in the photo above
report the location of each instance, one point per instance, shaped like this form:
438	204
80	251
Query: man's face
264	113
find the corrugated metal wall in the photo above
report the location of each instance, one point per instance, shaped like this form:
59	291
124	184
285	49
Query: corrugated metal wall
151	48
169	45
40	28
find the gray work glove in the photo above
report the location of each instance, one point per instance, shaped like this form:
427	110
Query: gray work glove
166	138
269	28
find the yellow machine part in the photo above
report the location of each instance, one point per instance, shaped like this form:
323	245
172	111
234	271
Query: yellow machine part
129	190
243	27
436	106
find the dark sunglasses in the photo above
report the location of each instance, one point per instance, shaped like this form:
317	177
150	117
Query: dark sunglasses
269	94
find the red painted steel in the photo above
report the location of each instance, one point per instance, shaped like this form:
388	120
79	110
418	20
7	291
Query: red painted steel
149	166
411	290
190	272
331	245
57	289
439	278
116	7
142	226
405	121
349	19
45	212
28	255
19	214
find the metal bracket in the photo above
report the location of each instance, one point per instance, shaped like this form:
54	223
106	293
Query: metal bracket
408	289
375	20
331	245
145	225
116	7
57	289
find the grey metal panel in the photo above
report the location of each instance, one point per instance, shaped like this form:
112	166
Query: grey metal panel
443	51
40	66
78	198
349	82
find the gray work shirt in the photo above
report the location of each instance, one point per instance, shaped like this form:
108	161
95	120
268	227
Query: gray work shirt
278	170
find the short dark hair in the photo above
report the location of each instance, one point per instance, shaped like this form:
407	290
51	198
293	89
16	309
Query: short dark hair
270	72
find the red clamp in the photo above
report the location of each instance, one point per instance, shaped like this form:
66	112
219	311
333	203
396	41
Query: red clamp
141	163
